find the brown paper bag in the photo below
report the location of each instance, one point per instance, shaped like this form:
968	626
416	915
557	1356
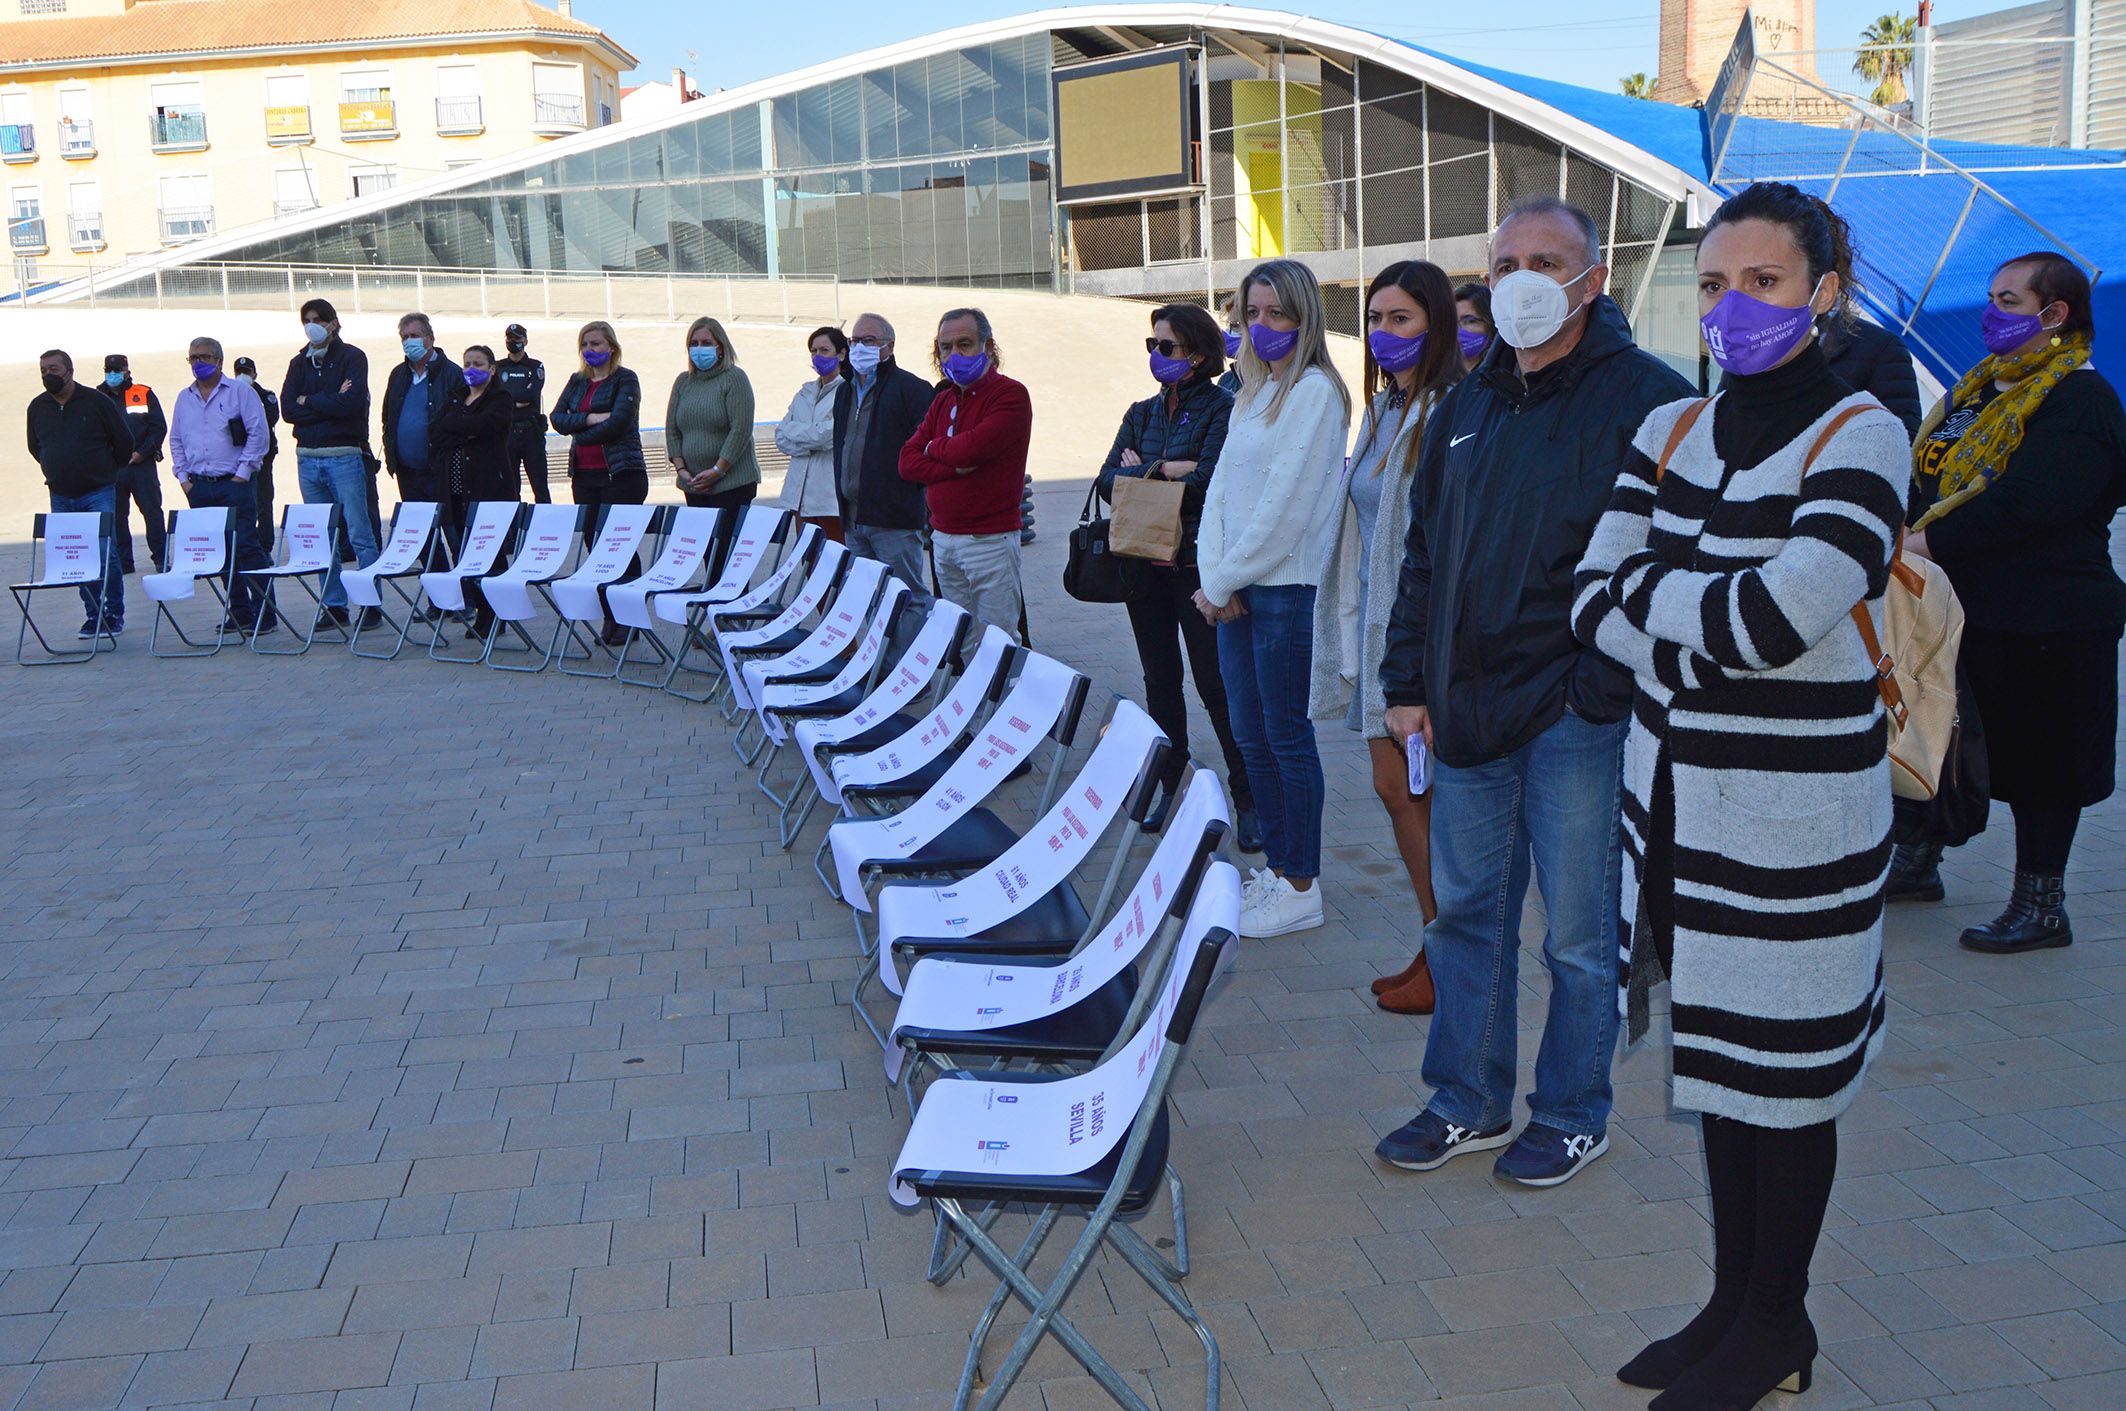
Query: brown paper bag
1146	523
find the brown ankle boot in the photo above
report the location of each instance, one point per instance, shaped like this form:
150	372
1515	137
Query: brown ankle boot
1401	977
1415	996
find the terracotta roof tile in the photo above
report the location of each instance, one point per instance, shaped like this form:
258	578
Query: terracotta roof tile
190	26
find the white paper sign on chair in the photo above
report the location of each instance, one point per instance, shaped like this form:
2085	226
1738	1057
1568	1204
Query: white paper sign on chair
686	547
903	683
306	530
809	596
491	523
796	695
410	528
199	548
755	533
1070	1125
72	549
618	539
547	543
837	627
1012	733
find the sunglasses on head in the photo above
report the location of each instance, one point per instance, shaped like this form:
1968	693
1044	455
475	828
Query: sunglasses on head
1165	347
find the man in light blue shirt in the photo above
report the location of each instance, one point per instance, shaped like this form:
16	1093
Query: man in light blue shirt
217	442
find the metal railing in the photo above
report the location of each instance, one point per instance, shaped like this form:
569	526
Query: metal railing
25	232
234	285
1974	231
293	208
18	142
77	137
178	127
85	229
458	115
186	222
553	110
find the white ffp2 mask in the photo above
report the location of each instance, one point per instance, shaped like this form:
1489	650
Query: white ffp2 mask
1529	308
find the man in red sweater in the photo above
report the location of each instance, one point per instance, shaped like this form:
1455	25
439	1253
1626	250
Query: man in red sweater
969	454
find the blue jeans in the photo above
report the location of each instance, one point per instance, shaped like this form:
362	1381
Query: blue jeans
342	481
247	596
1266	656
113	594
1553	802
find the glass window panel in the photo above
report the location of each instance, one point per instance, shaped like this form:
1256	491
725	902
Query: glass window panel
1014	216
610	162
814	130
653	231
1009	119
744	128
888	258
788	148
682	151
1394	133
911	90
949	78
852	224
689	246
645	164
577	169
881	117
1039	60
845	121
978	107
950	200
985	214
1043	208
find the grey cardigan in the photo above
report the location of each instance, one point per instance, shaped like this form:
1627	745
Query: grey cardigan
1347	652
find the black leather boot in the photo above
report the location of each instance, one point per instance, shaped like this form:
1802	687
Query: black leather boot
2036	919
1915	873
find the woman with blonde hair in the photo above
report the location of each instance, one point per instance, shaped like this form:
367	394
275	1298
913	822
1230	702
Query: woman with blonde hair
1265	519
1412	358
600	411
708	422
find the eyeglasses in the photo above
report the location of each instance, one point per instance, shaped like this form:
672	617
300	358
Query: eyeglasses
869	340
1165	347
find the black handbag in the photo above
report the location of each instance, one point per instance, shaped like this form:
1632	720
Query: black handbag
1090	573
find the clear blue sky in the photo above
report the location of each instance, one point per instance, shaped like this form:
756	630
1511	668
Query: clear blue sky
1594	42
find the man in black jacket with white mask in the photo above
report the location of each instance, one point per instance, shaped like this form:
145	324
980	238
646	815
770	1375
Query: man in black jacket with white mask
878	408
1525	726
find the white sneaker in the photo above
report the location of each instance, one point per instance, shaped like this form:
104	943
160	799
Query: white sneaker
1279	909
1251	889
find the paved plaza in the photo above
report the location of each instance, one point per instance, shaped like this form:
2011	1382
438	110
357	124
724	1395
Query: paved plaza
378	1036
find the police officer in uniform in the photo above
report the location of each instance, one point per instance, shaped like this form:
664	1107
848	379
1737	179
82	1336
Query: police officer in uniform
523	378
262	482
138	480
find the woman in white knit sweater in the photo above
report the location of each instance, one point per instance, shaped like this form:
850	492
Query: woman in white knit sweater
1265	522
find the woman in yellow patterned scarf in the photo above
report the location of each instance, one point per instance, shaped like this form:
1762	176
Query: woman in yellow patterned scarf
2015	478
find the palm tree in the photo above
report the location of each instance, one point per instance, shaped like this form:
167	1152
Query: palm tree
1888	56
1638	85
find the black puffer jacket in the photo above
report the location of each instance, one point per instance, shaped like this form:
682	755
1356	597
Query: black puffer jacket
1195	431
620	397
1509	484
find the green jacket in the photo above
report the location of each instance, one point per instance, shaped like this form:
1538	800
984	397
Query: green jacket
710	417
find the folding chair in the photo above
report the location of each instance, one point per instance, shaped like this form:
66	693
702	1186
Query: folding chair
839	628
493	522
1094	1143
309	550
820	727
947	831
778	704
550	536
754	604
74	547
758	532
413	529
199	547
690	536
777	632
577	598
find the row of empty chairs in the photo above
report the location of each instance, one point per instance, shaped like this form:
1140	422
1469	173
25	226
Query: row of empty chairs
1036	993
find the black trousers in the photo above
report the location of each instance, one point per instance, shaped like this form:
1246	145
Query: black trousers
722	500
527	451
262	484
1165	622
142	485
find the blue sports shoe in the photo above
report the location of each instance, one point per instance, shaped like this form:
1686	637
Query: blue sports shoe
1545	1156
1429	1141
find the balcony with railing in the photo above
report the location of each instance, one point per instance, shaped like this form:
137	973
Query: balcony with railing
25	232
293	208
180	223
85	229
368	119
18	143
287	124
178	129
77	139
459	116
557	112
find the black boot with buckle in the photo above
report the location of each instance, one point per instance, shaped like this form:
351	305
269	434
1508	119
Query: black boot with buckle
1915	873
2036	919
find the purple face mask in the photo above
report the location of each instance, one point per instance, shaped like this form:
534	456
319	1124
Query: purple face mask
477	376
205	370
966	368
2004	332
1748	336
597	357
1170	370
1270	345
1394	352
1232	344
1473	341
826	364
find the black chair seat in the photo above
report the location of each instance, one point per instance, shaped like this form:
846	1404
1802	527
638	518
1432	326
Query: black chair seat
883	733
1051	926
825	709
774	646
812	677
974	840
1087	1187
1080	1033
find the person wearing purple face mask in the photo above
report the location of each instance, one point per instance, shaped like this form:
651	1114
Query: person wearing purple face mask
806	436
1756	769
1177	434
1473	328
600	411
1410	365
2017	475
470	448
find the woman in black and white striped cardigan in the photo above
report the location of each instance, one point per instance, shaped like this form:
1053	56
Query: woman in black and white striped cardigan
1757	813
